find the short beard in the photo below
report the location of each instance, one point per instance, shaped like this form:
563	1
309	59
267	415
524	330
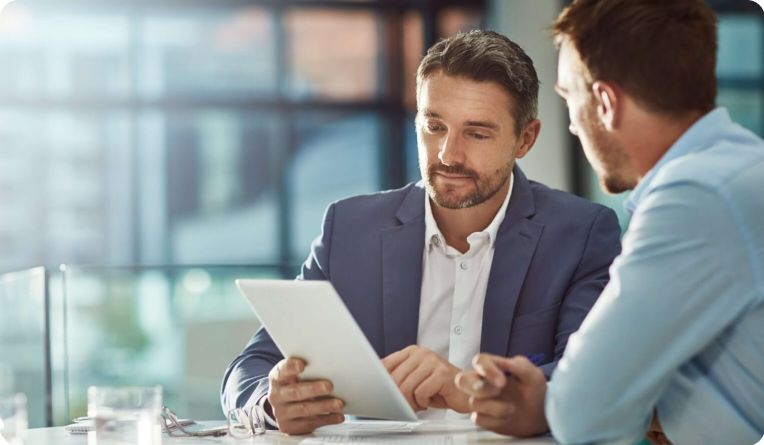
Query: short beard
610	155
484	189
616	184
614	161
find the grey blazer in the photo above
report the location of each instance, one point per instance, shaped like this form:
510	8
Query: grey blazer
551	260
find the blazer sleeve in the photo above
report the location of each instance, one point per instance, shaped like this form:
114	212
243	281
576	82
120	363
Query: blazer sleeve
246	380
602	246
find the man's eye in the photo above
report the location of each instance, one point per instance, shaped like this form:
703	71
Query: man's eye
480	136
434	127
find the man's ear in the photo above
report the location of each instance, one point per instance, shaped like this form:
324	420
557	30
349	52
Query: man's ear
608	101
528	137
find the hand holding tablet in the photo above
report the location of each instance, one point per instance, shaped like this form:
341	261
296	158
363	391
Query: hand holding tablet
308	320
301	406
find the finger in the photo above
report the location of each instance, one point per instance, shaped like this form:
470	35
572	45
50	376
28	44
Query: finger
287	370
430	387
470	382
296	392
520	367
404	369
410	383
487	422
308	425
396	358
311	408
487	365
493	407
438	401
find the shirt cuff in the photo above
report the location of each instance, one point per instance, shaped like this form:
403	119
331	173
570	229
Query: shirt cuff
268	419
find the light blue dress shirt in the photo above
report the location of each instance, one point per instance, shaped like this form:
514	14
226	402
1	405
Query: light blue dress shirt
680	327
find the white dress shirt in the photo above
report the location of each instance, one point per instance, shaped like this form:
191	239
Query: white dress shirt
453	292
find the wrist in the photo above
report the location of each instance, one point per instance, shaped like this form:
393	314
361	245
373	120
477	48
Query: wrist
267	411
458	401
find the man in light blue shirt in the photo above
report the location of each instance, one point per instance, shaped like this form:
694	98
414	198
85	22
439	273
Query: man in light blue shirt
674	347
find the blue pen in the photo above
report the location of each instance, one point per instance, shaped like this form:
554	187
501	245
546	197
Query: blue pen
536	359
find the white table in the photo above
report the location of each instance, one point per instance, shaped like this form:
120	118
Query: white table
451	432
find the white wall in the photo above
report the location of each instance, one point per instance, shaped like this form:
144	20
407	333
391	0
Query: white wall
526	22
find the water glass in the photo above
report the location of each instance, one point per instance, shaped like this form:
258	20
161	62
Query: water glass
13	419
125	416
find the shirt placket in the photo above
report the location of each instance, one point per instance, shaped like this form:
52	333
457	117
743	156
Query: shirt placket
466	267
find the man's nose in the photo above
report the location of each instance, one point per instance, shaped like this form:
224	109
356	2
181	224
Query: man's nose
451	150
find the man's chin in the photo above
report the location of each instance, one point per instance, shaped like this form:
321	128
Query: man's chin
452	201
615	185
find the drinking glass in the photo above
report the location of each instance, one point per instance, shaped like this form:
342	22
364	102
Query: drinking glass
13	419
126	415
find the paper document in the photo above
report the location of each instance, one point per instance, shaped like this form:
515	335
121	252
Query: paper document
405	433
367	427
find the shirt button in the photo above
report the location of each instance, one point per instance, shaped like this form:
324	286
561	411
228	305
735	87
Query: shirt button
458	330
436	240
463	265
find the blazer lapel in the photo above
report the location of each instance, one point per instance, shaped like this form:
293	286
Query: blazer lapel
516	243
402	249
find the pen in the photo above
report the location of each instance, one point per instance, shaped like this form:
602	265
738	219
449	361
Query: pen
536	359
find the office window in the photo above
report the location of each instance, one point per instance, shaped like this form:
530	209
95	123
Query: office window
741	68
221	174
211	52
336	157
413	172
413	49
160	133
746	107
325	62
52	54
453	20
64	172
741	46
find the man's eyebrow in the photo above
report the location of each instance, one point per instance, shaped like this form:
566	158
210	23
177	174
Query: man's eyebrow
484	124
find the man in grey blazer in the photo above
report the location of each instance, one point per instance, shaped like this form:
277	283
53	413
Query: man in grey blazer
473	258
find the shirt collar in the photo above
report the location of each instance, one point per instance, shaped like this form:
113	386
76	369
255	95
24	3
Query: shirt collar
695	138
432	232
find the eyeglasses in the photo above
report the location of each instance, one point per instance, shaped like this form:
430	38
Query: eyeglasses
241	423
244	423
174	427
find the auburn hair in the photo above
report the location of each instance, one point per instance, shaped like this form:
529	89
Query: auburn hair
661	52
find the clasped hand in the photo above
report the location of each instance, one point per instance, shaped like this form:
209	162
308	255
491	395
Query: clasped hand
426	379
506	395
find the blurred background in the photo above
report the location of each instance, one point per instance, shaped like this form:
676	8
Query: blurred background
162	148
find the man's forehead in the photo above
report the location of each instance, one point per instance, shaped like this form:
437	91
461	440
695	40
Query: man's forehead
454	85
570	68
440	91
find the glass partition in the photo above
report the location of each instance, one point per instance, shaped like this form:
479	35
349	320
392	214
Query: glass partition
23	344
178	327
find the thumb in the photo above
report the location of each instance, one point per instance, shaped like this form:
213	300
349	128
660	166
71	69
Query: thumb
519	367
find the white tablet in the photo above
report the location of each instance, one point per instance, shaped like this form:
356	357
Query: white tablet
307	319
